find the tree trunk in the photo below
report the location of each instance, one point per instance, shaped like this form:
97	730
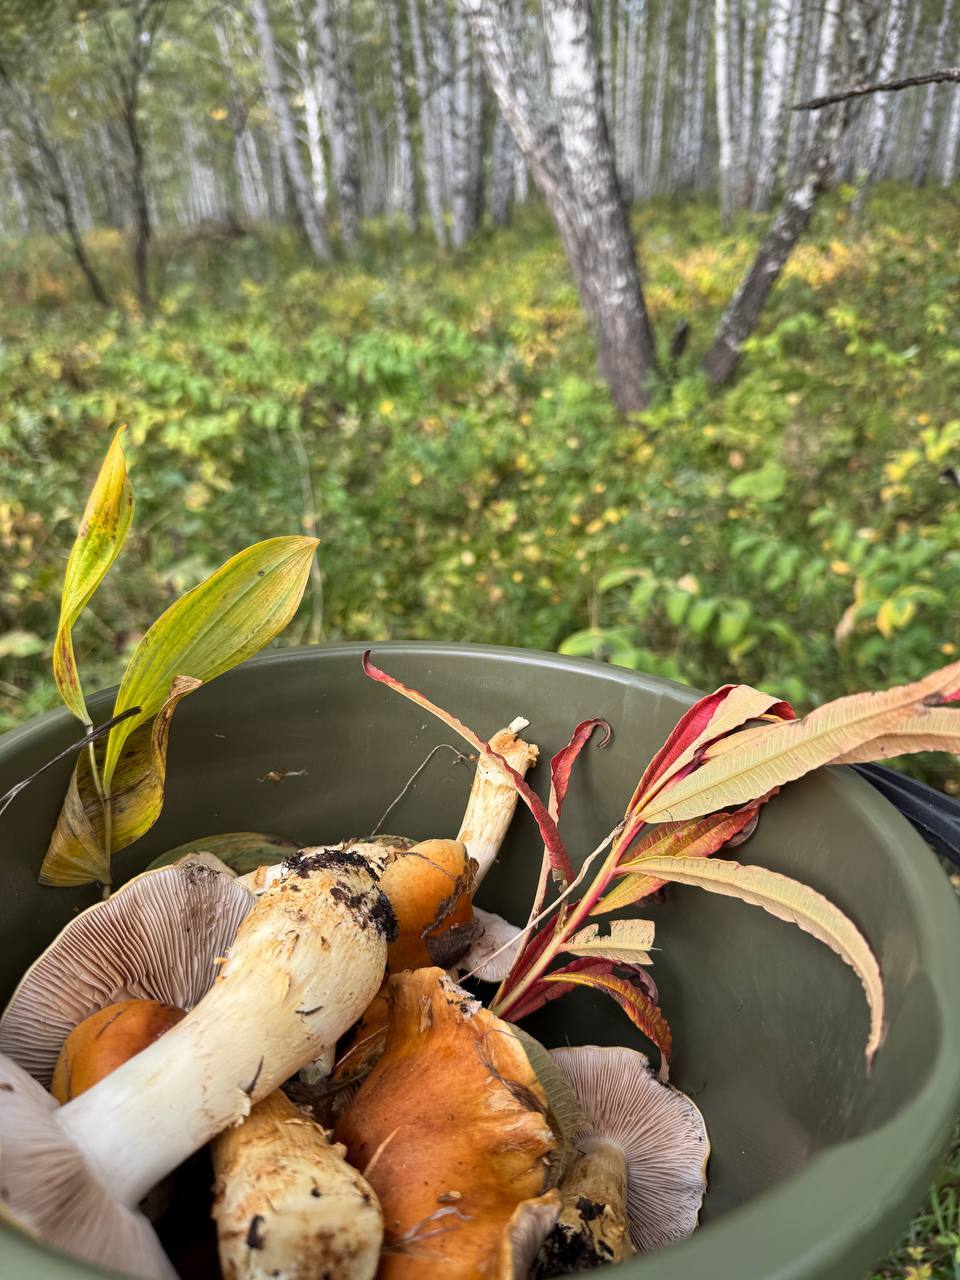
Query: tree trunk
879	110
724	123
462	133
769	135
659	99
246	159
340	117
407	175
606	64
572	163
501	170
429	134
951	139
921	164
634	170
310	89
740	318
622	158
14	185
745	166
287	136
438	30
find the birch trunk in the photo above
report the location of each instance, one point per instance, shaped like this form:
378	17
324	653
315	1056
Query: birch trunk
659	98
462	134
770	127
340	118
951	140
13	183
407	177
438	29
690	93
429	131
606	64
724	123
246	160
698	143
570	157
278	185
745	167
878	115
921	164
635	123
310	88
280	109
621	111
501	172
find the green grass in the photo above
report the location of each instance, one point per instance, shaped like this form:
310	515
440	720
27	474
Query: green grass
930	1250
442	421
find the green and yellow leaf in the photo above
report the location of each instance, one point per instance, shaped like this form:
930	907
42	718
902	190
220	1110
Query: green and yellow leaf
936	729
242	851
77	851
103	529
794	902
629	941
226	619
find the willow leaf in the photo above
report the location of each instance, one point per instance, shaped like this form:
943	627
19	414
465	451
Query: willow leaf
937	729
226	619
77	851
643	1013
789	749
102	532
628	941
794	902
699	838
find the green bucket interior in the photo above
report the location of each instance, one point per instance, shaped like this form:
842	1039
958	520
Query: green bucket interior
815	1164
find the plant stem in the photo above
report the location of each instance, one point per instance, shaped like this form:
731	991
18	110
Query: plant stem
105	806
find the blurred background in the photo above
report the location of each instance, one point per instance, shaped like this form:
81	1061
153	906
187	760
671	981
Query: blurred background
557	324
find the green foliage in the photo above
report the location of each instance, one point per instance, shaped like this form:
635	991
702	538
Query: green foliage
442	422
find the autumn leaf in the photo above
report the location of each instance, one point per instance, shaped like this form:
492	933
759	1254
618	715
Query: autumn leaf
641	1011
794	902
242	851
788	749
226	619
102	532
77	851
628	941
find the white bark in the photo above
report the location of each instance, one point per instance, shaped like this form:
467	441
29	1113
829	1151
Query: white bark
951	140
429	127
438	30
606	63
407	177
278	186
772	97
501	171
635	128
340	120
745	165
931	93
14	185
310	88
724	122
462	121
280	109
659	96
878	114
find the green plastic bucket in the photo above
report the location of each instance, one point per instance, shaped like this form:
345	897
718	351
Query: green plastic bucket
815	1167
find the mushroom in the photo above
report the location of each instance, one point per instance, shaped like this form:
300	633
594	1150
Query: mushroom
105	1040
288	1204
641	1132
430	888
493	798
450	1129
305	963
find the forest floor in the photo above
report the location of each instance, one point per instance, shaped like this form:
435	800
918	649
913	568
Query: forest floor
441	422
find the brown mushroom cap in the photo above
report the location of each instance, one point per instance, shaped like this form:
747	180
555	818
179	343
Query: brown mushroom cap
105	1040
451	1122
430	888
659	1130
157	938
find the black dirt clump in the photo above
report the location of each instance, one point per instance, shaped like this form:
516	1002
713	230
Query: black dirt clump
255	1237
324	858
589	1209
383	918
565	1251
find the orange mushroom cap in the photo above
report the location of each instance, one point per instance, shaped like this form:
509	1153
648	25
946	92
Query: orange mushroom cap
108	1038
430	888
450	1130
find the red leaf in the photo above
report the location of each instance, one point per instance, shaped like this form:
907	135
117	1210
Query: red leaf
643	1013
690	725
562	763
556	850
541	993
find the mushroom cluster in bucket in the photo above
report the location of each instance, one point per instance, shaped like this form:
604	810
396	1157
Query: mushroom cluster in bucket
331	1033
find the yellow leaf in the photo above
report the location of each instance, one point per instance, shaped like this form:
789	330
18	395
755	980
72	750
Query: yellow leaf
77	852
628	941
794	902
103	529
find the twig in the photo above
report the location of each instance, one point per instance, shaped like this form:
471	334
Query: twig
461	758
941	76
11	795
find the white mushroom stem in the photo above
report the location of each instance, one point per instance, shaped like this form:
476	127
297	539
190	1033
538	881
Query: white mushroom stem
306	962
493	798
593	1192
287	1203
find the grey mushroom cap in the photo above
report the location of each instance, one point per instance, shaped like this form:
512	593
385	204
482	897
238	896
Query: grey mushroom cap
160	937
659	1130
49	1190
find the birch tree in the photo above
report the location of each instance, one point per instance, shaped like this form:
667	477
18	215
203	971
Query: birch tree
429	127
724	121
922	150
407	180
340	118
569	155
307	210
878	115
770	125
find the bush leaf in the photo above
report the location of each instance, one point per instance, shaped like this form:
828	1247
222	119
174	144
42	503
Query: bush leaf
628	941
794	902
791	748
226	619
103	529
77	852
